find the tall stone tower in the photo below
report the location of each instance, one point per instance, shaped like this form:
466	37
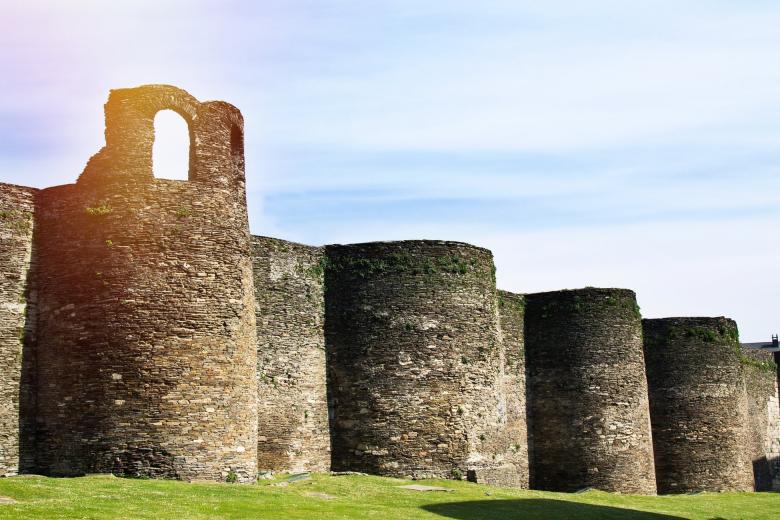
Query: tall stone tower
587	392
416	363
146	356
698	405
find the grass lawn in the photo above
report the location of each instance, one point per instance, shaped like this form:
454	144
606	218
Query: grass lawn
325	496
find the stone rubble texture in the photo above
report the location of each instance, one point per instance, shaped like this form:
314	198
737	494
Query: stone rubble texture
698	405
587	391
511	310
146	342
17	209
763	418
415	362
292	400
145	332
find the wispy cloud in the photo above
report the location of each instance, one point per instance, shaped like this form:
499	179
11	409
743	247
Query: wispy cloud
605	142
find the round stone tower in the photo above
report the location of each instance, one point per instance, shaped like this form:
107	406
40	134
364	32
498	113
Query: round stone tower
698	405
415	362
588	407
146	352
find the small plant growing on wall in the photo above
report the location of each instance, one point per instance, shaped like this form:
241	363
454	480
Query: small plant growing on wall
232	477
17	221
100	210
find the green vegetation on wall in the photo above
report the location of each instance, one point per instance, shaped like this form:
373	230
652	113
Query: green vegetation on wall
402	262
16	220
592	303
101	209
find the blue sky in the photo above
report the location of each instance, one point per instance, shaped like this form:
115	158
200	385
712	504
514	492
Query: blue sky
604	143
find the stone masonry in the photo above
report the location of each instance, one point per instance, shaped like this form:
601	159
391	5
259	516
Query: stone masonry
17	209
146	350
511	309
763	418
145	332
293	431
587	392
415	361
698	405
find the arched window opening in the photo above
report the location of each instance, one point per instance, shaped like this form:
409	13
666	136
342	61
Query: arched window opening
237	147
171	153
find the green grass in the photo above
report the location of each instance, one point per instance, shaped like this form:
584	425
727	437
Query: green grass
352	497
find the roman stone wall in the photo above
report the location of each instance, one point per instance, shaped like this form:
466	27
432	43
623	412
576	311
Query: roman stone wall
763	424
511	309
587	392
293	431
17	210
147	354
144	332
698	405
415	362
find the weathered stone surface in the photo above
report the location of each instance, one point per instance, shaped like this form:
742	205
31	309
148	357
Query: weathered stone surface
143	331
293	431
763	442
587	392
698	405
511	308
146	358
17	208
414	360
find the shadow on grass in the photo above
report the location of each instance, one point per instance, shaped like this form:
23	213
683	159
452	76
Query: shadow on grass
533	508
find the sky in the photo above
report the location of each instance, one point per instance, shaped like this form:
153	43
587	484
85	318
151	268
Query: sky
602	143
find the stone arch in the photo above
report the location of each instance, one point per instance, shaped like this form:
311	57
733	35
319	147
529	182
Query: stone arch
130	115
216	138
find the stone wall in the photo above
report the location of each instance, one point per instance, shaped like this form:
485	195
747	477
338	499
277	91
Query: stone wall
147	356
587	392
763	440
415	362
293	431
143	332
511	309
698	405
17	209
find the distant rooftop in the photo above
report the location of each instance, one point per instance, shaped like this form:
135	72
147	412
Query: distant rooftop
769	346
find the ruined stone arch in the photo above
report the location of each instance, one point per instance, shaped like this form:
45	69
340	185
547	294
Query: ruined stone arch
130	114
